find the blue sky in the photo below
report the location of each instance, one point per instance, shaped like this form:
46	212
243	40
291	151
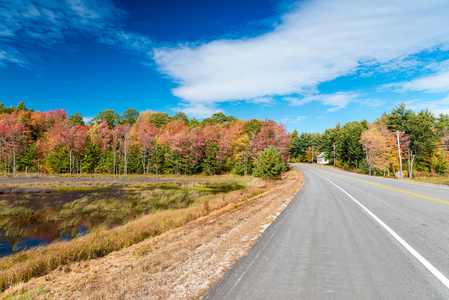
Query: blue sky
307	64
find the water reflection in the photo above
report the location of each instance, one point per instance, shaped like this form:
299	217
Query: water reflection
33	219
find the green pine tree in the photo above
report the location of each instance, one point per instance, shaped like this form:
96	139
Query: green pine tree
269	163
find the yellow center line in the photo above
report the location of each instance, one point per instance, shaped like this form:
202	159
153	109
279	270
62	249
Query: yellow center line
387	187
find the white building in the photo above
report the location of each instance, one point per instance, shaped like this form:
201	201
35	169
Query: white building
321	159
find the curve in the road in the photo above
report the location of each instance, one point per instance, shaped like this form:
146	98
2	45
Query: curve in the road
390	243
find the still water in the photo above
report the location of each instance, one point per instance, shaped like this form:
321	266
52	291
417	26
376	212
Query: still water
32	219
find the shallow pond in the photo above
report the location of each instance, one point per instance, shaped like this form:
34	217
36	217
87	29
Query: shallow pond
32	219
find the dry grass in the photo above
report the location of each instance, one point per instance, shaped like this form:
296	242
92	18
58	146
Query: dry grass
23	266
46	183
441	180
179	264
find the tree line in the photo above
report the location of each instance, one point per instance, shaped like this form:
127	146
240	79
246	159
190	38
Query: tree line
134	143
420	138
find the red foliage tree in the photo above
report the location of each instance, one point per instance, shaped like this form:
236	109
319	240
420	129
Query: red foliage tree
144	135
272	134
15	138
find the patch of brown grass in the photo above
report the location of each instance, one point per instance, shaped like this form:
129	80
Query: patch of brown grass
23	266
179	264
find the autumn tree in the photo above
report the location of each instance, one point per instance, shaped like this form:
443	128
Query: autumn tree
175	139
272	134
144	136
120	145
309	154
101	136
14	137
377	148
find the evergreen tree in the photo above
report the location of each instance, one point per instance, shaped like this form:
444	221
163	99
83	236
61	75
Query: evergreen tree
91	158
210	164
269	163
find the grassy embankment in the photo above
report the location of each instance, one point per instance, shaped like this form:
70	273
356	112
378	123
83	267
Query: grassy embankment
179	264
443	180
25	265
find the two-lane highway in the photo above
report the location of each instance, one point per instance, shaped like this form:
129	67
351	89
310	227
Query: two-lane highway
349	236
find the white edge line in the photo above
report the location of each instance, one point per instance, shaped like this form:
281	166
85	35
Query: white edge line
409	248
255	258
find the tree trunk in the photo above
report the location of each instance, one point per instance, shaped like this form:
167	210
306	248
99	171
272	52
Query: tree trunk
143	161
1	155
115	154
14	159
157	162
369	165
120	156
148	162
245	165
126	157
70	166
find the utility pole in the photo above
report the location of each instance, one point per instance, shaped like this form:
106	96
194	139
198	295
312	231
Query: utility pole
334	153
399	153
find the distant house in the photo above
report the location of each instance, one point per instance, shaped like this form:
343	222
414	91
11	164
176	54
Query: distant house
321	159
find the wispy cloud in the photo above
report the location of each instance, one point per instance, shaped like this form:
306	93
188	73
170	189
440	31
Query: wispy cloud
431	84
316	42
338	100
87	119
435	83
437	106
11	56
197	110
50	21
45	23
299	119
267	101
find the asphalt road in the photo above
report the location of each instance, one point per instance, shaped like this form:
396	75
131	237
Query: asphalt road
348	236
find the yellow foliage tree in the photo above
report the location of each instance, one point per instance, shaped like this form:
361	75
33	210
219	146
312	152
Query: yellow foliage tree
378	147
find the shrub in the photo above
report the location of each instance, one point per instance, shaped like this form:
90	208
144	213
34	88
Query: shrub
269	163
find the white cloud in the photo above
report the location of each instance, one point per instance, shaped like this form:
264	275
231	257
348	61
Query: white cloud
317	42
431	84
197	110
435	83
339	100
437	106
87	119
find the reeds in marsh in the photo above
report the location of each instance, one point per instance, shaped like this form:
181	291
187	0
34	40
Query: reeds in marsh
172	209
